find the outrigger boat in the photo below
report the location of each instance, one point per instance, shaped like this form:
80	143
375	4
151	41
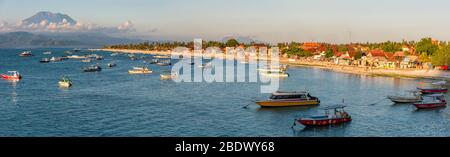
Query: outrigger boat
26	54
140	70
92	68
406	99
337	117
285	99
441	89
432	101
65	82
11	75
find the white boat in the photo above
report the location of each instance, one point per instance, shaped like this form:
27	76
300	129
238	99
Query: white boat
76	57
168	75
140	70
47	53
415	97
65	82
275	74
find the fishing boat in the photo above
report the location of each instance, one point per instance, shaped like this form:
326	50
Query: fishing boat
432	101
44	60
65	82
285	99
11	75
337	117
92	68
275	74
111	65
140	70
415	97
47	53
76	57
164	63
154	61
56	59
440	89
26	54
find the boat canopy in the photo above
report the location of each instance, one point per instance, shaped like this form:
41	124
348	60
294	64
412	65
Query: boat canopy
440	83
334	107
289	93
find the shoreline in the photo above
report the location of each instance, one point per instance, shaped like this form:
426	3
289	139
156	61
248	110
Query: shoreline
405	73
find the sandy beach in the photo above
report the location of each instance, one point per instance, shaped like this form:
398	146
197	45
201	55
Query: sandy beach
410	73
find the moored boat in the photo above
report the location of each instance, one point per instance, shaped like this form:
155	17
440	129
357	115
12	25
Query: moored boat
164	63
432	101
140	70
440	89
111	65
65	82
337	117
406	99
162	56
275	74
285	99
26	54
11	75
93	68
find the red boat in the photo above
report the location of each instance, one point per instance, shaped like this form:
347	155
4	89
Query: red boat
12	75
339	116
441	89
434	101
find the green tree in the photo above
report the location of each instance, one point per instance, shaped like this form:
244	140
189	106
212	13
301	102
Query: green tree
232	43
296	51
442	56
426	47
358	55
329	53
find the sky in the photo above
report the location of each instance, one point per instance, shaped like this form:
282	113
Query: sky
335	21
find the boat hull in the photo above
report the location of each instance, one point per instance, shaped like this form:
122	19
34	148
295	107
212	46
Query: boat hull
64	84
324	122
404	99
287	103
430	105
433	91
7	77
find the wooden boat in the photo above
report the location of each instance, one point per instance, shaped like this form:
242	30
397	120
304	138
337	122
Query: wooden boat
285	99
337	117
164	63
440	89
140	70
95	68
26	54
65	82
11	75
432	101
406	99
275	74
44	60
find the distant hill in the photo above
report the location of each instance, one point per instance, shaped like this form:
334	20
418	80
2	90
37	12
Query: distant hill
32	40
49	17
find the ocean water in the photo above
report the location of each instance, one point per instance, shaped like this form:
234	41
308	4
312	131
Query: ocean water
113	103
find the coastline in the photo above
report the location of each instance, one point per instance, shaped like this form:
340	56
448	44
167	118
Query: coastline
406	73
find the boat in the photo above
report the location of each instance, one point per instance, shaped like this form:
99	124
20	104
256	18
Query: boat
140	70
162	56
285	99
432	101
26	54
11	75
275	74
270	70
44	60
154	61
406	99
47	53
437	90
68	52
76	50
76	57
111	65
164	63
98	57
114	54
168	75
56	59
86	60
65	82
337	117
92	68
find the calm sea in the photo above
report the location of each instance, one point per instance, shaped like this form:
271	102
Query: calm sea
113	103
